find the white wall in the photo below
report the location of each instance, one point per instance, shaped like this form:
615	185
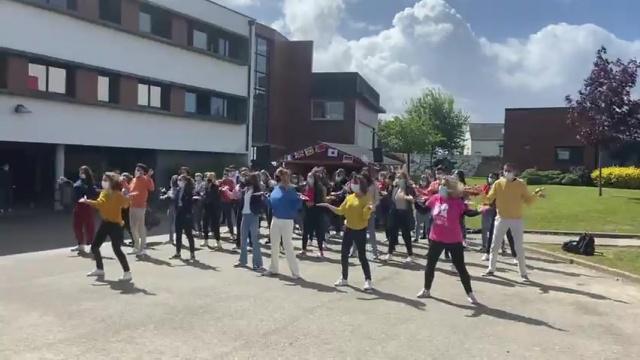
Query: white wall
366	121
485	148
68	123
27	28
364	135
210	12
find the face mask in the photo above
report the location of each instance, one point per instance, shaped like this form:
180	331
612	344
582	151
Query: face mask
355	188
139	173
443	191
509	176
310	180
83	176
181	184
402	183
491	181
105	185
198	179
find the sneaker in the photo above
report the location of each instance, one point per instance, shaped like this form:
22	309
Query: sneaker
423	294
218	245
452	267
387	257
525	279
268	273
408	260
367	286
485	257
235	249
472	298
204	244
488	273
296	277
126	276
97	273
193	257
75	249
341	282
176	256
302	253
133	252
141	253
260	269
515	262
239	265
83	251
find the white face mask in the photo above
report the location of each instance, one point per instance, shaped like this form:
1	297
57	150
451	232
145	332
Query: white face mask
181	184
198	179
83	176
310	180
355	188
139	173
443	191
105	185
509	176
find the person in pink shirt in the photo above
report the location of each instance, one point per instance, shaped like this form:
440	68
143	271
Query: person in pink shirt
447	209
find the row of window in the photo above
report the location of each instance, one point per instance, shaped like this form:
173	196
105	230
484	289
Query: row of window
327	110
158	22
261	92
58	80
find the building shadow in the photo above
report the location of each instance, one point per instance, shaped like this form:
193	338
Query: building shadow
124	287
381	295
481	309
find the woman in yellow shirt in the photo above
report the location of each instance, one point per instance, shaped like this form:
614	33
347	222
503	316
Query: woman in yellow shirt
110	204
356	209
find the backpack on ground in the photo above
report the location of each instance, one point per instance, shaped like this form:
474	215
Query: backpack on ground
585	245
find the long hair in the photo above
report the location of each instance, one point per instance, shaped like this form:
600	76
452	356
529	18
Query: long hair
86	171
188	181
254	182
114	181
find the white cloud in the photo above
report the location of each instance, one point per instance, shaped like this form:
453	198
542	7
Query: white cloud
430	44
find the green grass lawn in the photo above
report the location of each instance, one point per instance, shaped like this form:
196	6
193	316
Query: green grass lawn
573	208
617	257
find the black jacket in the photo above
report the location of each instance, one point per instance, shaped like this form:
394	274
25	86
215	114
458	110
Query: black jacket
212	197
186	199
256	203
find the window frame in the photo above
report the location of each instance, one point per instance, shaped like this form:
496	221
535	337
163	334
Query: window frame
47	78
71	5
326	110
150	86
576	155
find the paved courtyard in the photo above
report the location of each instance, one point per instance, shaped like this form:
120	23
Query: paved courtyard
210	310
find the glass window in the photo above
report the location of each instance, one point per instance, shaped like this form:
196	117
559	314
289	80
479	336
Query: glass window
563	154
143	94
262	47
218	106
200	40
223	47
37	77
110	10
328	110
3	71
57	80
103	89
261	64
145	22
155	96
262	81
190	104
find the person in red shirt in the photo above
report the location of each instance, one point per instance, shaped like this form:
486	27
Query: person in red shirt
139	189
227	186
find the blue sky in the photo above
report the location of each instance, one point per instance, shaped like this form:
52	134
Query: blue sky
489	54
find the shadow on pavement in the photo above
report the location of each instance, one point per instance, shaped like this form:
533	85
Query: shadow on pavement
306	284
545	289
199	265
381	295
481	309
124	287
154	261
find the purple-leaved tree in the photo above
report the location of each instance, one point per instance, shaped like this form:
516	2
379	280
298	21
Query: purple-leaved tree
605	112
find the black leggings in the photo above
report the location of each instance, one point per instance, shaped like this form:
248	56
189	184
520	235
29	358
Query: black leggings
400	220
359	237
314	222
211	221
116	233
457	257
184	223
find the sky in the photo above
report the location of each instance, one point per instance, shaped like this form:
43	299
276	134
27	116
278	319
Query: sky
489	54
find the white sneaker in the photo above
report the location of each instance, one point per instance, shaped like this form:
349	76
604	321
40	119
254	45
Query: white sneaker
488	273
515	262
142	253
341	282
387	257
134	251
97	273
218	245
472	298
268	273
408	260
235	249
452	267
525	279
204	244
75	249
367	285
424	294
126	276
485	257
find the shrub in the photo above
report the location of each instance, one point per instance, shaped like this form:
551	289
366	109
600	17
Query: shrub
618	177
583	174
535	180
536	177
571	180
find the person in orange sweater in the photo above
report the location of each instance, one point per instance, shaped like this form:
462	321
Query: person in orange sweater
139	190
109	204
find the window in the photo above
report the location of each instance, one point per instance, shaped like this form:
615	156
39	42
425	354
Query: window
108	89
262	81
261	64
262	47
501	150
200	40
63	4
190	102
47	78
223	47
155	21
3	72
218	106
572	155
328	110
110	10
154	96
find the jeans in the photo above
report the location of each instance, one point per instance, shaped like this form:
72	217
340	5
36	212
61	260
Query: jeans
249	231
282	229
138	230
83	223
457	258
488	221
422	224
171	215
116	233
197	215
359	237
184	223
517	229
400	220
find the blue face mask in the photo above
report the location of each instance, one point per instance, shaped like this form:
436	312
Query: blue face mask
443	191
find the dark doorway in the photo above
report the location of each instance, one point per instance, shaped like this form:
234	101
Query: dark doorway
32	173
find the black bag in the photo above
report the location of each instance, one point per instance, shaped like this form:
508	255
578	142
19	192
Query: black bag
585	245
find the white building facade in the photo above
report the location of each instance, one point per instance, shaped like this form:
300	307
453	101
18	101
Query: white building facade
109	83
484	139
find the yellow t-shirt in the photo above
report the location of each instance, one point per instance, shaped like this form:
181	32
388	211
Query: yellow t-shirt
509	197
356	211
110	205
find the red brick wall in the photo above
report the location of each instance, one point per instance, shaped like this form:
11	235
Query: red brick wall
179	30
89	9
532	135
177	100
17	72
86	85
128	92
130	13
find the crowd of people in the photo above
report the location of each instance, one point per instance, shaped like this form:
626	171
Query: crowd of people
352	206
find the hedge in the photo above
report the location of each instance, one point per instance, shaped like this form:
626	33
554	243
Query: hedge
618	177
577	177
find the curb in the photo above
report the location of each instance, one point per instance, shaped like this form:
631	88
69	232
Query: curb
577	233
583	263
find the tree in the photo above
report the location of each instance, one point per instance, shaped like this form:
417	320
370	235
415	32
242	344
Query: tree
604	112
